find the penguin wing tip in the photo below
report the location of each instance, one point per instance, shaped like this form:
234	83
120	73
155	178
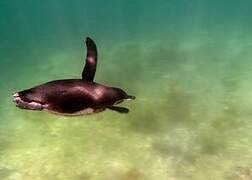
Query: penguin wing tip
88	39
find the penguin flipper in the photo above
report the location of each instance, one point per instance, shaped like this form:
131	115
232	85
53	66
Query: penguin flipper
88	72
119	109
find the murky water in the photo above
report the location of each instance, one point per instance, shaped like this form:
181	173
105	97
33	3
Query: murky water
188	63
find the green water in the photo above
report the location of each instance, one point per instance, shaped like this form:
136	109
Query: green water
189	63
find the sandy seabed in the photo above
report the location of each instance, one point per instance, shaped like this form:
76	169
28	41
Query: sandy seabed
191	118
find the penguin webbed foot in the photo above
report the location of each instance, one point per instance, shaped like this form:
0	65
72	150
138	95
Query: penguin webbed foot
119	109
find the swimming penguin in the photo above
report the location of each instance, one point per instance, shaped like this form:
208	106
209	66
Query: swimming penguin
74	96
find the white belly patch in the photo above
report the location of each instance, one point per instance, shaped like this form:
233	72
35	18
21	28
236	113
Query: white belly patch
86	111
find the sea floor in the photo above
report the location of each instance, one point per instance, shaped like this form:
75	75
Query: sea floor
191	119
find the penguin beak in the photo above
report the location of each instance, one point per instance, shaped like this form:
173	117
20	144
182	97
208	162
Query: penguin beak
130	98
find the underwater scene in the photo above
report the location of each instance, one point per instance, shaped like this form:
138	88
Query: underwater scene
189	64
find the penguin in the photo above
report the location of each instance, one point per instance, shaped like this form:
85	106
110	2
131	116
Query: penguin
73	97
